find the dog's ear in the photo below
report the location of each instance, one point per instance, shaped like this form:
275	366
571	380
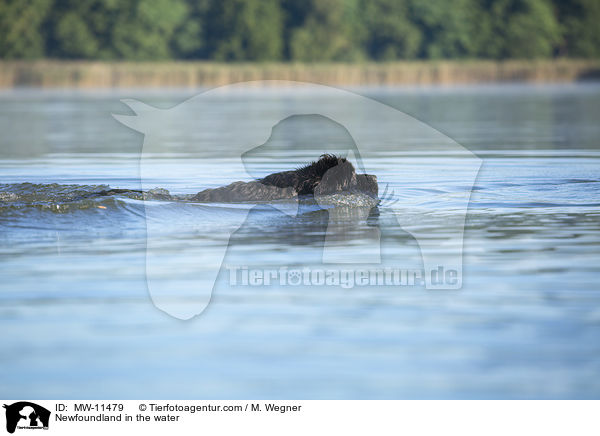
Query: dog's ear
338	178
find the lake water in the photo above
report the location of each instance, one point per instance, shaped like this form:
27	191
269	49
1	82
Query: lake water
76	311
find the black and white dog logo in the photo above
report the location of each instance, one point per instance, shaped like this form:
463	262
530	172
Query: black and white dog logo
26	415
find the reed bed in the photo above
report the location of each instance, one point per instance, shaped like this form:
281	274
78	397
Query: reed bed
91	74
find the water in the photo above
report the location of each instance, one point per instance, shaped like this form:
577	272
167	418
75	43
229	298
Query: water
78	321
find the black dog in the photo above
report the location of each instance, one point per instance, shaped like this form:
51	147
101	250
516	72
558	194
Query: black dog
329	175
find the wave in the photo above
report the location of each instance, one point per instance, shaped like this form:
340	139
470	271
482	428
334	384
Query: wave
57	198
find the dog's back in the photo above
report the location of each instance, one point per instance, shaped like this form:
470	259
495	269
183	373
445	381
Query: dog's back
330	174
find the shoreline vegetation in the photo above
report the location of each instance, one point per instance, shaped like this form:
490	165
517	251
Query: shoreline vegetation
94	74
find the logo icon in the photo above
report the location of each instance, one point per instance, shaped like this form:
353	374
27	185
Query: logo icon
26	415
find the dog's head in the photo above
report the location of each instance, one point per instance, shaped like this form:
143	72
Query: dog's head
367	183
342	177
338	178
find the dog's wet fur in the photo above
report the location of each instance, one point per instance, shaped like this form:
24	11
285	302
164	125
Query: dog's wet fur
328	175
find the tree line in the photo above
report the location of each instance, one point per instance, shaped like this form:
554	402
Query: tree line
299	30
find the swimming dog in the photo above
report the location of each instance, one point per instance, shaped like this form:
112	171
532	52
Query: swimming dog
328	175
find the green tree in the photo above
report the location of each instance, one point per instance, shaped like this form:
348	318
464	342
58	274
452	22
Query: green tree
329	32
143	29
390	33
521	29
21	28
114	29
82	29
449	29
76	38
245	30
580	27
189	40
294	15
